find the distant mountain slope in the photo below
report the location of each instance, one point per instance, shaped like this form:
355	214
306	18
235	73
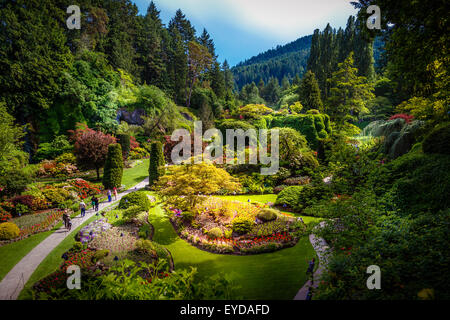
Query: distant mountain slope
287	60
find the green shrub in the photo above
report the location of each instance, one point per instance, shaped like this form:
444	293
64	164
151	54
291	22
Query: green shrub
21	209
131	212
56	196
156	167
438	140
145	231
311	194
215	233
14	181
137	198
267	214
77	246
124	141
9	230
153	248
66	158
100	254
112	174
188	216
289	196
228	233
242	225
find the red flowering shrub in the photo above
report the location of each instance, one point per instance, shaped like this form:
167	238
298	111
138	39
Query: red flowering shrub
83	259
406	117
133	143
4	215
84	189
53	281
25	200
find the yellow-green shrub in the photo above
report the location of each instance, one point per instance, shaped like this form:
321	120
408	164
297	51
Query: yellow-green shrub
9	230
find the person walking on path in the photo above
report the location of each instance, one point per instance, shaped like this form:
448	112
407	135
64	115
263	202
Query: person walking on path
83	208
65	218
309	294
109	195
115	193
93	202
310	270
69	224
96	203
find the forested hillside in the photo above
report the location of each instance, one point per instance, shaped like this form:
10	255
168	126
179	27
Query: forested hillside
287	61
283	61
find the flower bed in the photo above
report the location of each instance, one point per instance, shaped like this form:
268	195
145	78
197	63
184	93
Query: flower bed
116	239
232	227
92	230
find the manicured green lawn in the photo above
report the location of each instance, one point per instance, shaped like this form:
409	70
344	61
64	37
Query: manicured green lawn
133	176
12	253
277	275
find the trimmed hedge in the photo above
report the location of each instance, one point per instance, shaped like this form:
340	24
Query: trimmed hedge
156	167
137	198
112	174
267	214
312	126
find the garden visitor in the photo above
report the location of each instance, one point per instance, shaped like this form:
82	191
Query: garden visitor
65	217
109	195
96	201
93	202
115	193
82	208
309	294
310	270
69	224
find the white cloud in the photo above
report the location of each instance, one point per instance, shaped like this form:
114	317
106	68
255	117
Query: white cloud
283	19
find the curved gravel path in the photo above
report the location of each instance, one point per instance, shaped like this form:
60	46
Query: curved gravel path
13	283
322	249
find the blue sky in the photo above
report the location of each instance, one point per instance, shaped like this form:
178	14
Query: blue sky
243	28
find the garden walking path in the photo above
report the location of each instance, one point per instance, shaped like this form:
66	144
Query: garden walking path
321	247
13	283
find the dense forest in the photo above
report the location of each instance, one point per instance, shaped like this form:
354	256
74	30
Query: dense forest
363	121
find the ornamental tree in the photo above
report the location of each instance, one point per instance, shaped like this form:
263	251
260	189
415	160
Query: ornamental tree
194	180
91	147
112	174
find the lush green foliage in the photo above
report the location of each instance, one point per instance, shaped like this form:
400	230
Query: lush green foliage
113	171
137	198
438	140
267	214
156	168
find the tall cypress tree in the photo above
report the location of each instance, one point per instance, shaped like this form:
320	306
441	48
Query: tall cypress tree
113	171
309	93
156	167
